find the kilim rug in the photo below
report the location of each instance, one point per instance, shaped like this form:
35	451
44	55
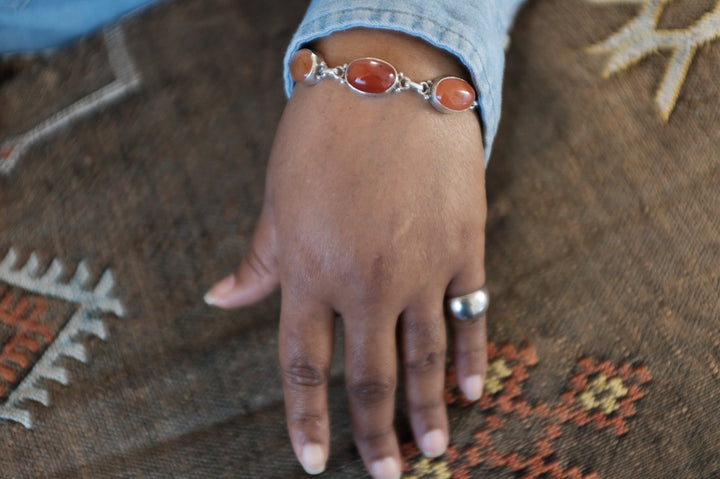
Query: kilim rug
131	174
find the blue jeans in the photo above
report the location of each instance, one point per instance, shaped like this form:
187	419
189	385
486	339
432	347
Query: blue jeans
29	26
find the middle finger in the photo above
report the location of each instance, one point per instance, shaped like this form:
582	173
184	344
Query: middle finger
371	378
424	342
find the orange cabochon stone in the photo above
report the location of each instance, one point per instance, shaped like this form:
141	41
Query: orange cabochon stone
370	75
454	94
301	65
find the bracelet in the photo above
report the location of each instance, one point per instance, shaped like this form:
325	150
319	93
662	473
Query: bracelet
371	76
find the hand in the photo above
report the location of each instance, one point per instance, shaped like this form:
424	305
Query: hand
374	210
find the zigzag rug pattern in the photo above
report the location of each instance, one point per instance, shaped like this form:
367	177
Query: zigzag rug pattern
33	351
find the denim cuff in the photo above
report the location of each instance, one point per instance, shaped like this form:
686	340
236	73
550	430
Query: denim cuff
475	32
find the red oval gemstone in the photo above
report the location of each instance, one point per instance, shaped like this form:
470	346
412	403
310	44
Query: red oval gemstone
302	65
370	75
454	94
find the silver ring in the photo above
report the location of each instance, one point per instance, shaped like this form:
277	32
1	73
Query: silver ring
471	306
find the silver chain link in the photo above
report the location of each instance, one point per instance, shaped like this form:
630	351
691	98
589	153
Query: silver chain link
402	83
424	88
405	83
323	71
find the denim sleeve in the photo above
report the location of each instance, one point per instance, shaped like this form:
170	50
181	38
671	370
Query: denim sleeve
474	31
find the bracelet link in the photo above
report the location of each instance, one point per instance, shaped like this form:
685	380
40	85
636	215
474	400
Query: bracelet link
423	88
372	76
337	73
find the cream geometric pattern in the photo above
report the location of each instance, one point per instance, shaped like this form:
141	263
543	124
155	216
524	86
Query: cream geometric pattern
92	300
424	468
127	80
603	393
497	371
641	37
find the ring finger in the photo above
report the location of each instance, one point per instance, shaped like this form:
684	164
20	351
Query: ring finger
470	335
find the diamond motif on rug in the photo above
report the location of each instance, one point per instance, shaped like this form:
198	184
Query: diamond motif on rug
600	397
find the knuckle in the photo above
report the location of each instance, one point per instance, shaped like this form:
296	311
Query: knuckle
371	294
303	374
381	270
304	420
473	358
425	362
473	353
473	232
258	265
426	407
371	276
373	437
368	392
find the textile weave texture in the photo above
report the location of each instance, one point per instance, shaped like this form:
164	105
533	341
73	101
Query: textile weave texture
603	256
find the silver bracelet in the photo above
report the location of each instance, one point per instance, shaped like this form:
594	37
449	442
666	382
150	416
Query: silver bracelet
372	76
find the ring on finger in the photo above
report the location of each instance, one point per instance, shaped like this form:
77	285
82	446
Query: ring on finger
471	306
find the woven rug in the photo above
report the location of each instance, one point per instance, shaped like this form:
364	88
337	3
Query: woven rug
131	174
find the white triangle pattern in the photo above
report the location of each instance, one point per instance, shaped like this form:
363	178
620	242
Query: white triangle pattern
91	303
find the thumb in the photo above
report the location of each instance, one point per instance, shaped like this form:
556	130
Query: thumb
256	277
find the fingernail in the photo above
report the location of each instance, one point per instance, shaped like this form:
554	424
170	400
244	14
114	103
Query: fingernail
313	458
387	468
473	387
221	288
433	443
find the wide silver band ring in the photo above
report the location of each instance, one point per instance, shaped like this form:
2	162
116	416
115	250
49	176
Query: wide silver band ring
471	306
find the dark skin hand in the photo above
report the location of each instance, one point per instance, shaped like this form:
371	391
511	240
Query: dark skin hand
374	210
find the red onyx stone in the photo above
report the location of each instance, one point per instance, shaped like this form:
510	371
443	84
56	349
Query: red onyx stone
301	65
370	75
454	94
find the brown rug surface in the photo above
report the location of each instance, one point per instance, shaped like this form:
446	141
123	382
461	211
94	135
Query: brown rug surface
131	174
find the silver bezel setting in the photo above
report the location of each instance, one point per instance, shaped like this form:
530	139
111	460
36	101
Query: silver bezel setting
390	89
317	62
432	97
